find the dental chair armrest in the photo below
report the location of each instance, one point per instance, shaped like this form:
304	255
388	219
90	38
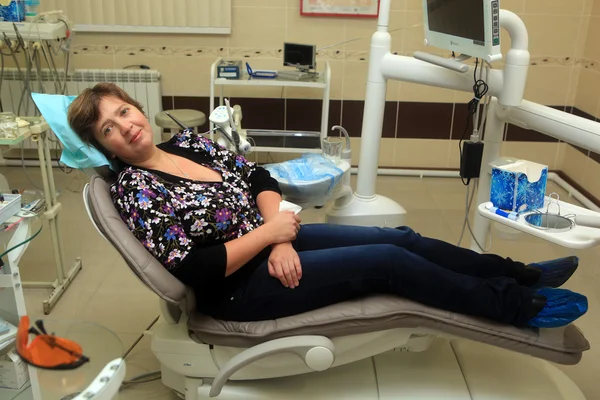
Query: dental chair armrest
316	351
107	383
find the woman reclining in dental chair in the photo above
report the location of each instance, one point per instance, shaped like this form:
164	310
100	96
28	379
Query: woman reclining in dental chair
212	219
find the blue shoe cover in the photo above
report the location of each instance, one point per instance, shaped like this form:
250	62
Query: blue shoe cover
555	272
562	308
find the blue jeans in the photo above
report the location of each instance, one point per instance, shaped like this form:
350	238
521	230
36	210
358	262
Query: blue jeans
342	262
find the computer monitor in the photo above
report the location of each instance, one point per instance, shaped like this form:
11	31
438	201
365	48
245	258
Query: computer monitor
470	27
301	56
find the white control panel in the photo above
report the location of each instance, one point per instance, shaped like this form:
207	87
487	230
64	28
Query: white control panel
34	30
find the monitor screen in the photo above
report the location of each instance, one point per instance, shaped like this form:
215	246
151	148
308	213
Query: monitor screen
462	18
299	54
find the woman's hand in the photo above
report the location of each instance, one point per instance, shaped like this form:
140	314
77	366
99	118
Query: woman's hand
284	264
283	227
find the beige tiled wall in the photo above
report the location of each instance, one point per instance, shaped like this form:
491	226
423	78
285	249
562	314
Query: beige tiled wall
580	167
557	36
588	93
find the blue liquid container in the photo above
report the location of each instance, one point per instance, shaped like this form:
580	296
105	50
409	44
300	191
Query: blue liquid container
14	12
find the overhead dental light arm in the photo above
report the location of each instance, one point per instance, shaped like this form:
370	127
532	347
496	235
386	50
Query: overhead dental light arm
566	127
507	85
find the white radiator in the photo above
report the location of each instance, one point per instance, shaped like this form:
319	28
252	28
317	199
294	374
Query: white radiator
142	85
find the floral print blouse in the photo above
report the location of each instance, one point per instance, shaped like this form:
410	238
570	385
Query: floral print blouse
185	223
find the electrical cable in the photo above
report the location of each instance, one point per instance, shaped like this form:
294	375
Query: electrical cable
480	89
367	37
468	202
23	242
53	66
483	250
1	79
467	224
140	338
487	102
154	375
52	72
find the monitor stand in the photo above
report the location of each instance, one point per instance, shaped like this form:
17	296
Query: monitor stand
449	63
295	75
292	75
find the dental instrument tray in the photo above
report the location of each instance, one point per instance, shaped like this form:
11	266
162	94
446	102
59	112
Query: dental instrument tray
9	206
576	237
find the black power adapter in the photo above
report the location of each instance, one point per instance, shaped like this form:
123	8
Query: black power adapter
470	161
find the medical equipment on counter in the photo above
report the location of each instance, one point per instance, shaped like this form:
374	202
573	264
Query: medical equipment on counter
345	350
34	46
229	69
263	73
301	56
469	27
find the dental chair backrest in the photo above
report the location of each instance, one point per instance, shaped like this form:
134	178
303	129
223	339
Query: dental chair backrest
152	273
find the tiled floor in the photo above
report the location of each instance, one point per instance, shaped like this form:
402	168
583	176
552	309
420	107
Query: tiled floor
106	292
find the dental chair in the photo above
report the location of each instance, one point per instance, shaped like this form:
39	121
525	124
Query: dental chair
379	347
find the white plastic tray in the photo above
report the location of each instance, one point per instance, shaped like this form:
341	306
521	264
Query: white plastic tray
579	237
10	206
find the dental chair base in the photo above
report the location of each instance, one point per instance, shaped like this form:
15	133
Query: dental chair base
417	366
373	211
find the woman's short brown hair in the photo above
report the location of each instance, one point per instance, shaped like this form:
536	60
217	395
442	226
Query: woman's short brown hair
84	111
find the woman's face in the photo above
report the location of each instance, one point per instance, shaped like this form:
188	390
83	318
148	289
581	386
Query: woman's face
124	130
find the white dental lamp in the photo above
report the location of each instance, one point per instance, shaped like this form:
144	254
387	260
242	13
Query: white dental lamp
507	106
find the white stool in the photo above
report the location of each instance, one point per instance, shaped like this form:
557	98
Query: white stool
190	118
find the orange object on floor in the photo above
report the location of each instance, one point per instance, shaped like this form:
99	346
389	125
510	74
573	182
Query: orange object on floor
47	351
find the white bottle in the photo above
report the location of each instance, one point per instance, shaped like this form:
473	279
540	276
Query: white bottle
31	9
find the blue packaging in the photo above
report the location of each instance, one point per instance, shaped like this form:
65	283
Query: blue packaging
14	12
518	186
